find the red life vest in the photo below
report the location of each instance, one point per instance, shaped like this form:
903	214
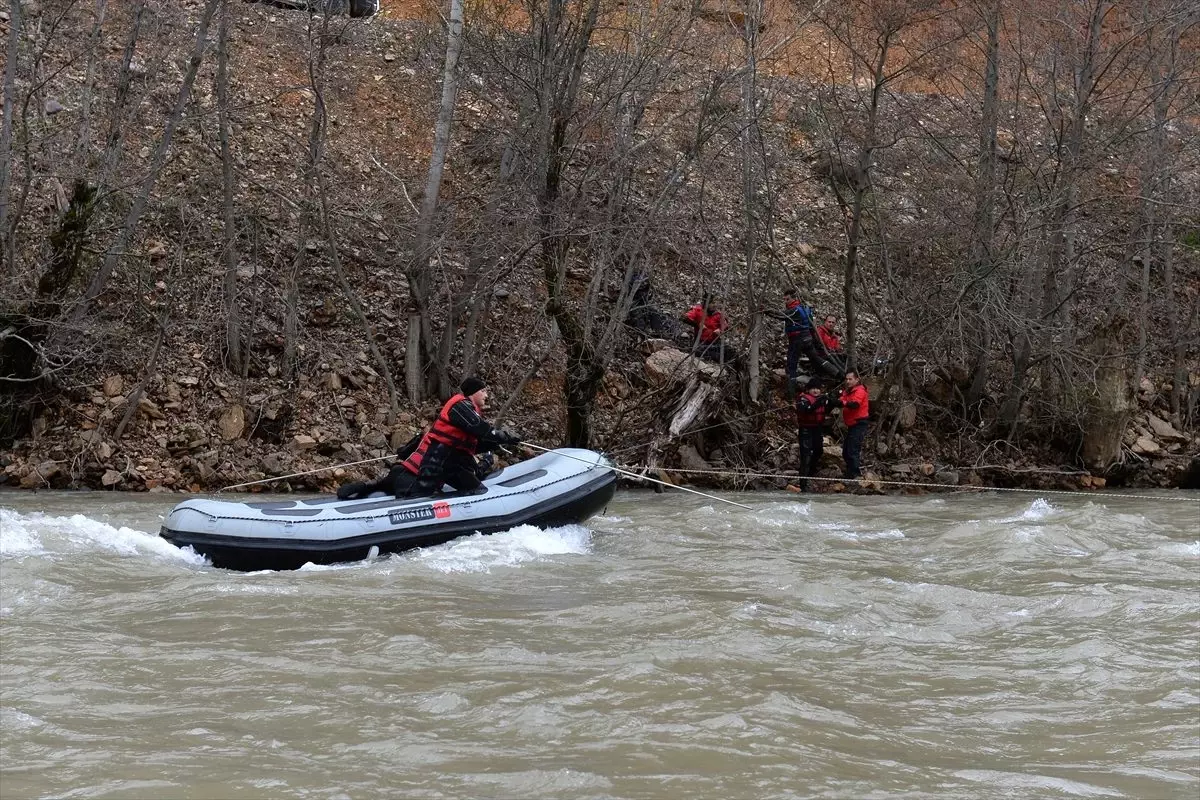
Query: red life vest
711	325
450	435
856	395
413	462
444	432
811	419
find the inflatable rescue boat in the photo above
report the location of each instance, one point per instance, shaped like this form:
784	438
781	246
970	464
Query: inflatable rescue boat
558	487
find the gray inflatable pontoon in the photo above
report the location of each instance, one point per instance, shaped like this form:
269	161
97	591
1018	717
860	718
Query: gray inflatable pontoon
556	488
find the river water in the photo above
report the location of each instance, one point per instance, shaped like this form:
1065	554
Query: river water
847	647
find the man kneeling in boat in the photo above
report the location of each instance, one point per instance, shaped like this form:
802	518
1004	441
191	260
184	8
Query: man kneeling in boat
445	453
401	478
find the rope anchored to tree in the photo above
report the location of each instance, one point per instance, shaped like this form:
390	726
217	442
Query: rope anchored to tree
957	487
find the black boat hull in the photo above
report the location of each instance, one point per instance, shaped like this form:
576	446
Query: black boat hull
247	554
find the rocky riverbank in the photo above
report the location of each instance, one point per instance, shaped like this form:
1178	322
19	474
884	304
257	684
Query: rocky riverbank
190	429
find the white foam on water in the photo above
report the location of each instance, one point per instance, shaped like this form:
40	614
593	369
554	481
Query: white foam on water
39	534
12	719
311	567
255	588
1035	785
1038	509
16	537
1185	549
525	543
801	508
844	532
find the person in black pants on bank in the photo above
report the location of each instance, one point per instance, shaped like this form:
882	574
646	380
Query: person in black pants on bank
811	406
856	407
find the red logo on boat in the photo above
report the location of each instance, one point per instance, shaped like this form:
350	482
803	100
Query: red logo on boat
441	510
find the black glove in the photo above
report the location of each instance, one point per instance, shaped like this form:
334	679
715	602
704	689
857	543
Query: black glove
507	437
484	465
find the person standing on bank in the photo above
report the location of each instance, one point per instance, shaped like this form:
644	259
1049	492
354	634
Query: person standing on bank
856	407
811	407
446	454
803	340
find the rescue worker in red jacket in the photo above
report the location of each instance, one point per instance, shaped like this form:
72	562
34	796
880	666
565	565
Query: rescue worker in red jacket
856	407
811	407
827	333
709	322
446	454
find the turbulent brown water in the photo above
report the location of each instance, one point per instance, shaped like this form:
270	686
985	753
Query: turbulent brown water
961	647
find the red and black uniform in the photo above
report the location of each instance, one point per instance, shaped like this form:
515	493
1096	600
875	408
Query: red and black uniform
711	326
856	408
397	482
856	405
804	340
710	344
811	407
829	338
446	454
401	480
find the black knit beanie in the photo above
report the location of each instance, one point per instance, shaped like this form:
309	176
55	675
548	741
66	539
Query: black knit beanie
471	385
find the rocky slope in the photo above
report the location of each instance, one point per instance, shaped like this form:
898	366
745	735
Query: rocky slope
172	417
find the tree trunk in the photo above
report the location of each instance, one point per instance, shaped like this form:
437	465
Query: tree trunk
562	70
412	359
749	232
7	251
418	268
1010	409
310	209
233	320
114	141
1060	277
1174	329
1109	405
983	231
862	185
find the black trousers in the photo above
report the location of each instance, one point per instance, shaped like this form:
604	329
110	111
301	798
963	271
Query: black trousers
812	447
446	465
794	352
398	482
718	352
852	448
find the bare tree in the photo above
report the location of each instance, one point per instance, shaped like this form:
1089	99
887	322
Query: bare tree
418	351
233	320
12	59
982	253
129	225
